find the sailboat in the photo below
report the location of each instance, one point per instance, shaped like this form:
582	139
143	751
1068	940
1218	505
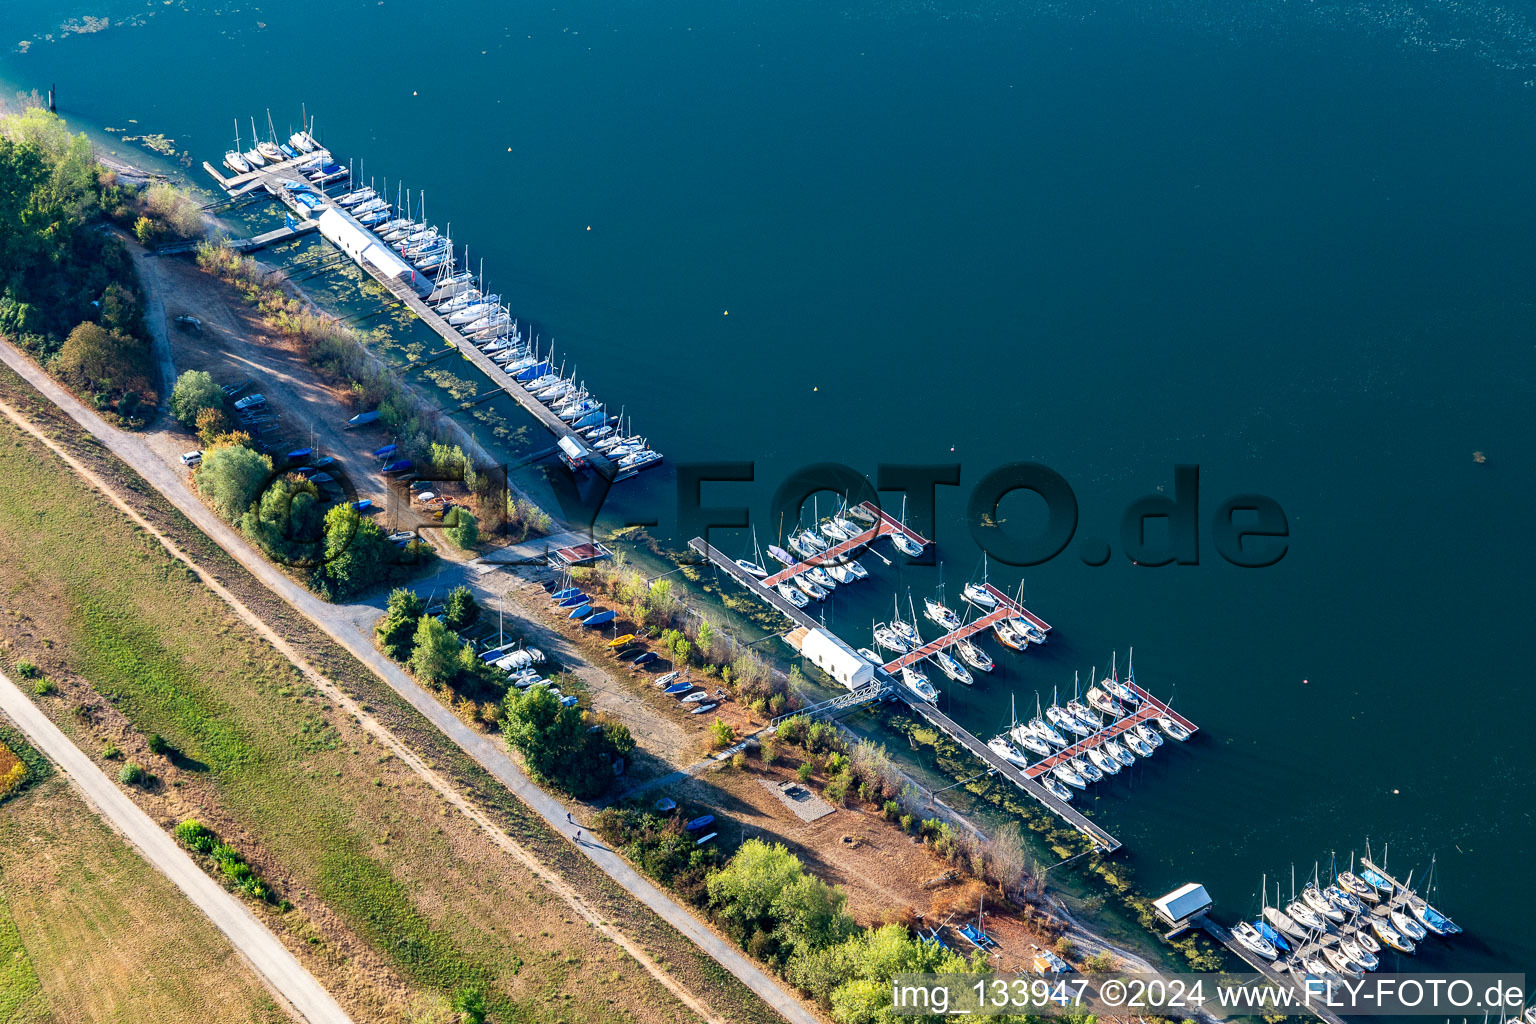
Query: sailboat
1320	903
1043	728
1431	918
233	159
999	745
1023	734
792	595
1249	936
1056	788
1104	761
753	567
952	668
974	656
1003	629
1064	719
1134	741
1065	773
1088	771
906	630
919	684
977	593
940	615
780	555
1360	955
903	543
1104	702
1172	728
888	639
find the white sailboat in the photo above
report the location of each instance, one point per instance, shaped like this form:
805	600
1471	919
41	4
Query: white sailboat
919	684
903	543
977	593
974	656
792	595
952	668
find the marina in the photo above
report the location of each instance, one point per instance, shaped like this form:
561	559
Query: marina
415	263
1327	934
892	679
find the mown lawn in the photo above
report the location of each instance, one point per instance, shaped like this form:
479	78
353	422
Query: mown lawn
90	932
400	902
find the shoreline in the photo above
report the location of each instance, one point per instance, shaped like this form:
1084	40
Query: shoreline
1085	935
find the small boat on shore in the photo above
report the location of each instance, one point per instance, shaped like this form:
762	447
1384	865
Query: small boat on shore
667	680
701	709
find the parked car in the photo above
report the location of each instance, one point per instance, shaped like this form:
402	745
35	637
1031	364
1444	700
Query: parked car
191	458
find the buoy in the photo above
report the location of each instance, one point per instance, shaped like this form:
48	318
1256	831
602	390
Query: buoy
589	227
815	389
726	313
1304	682
1394	792
413	92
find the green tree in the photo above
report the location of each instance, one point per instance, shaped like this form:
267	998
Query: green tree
764	890
460	611
435	652
721	734
231	477
195	392
462	528
397	629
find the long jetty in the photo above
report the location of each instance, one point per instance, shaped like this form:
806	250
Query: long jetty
272	177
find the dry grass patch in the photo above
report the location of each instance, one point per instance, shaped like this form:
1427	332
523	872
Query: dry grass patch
104	936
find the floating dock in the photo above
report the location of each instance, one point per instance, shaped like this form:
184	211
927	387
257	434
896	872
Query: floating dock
273	179
885	525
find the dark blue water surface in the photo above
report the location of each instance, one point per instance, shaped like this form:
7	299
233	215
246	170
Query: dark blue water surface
1291	245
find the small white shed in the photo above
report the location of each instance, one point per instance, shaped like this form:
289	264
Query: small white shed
837	659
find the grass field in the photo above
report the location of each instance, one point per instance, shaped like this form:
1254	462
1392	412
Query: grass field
90	932
398	903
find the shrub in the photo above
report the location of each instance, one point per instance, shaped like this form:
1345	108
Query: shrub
462	528
721	734
1101	963
460	611
194	394
231	477
131	774
196	836
1066	948
836	789
805	771
157	744
26	669
397	629
739	760
43	687
768	751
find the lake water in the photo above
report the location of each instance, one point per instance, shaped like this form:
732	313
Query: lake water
1289	244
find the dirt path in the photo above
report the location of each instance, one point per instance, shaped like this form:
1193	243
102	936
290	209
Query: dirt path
266	954
342	624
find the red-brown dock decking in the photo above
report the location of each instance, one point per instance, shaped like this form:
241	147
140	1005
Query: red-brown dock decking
1006	608
884	526
948	640
1149	710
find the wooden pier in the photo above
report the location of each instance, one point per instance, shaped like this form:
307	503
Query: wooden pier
1267	969
885	525
1008	770
1149	710
754	585
1006	608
